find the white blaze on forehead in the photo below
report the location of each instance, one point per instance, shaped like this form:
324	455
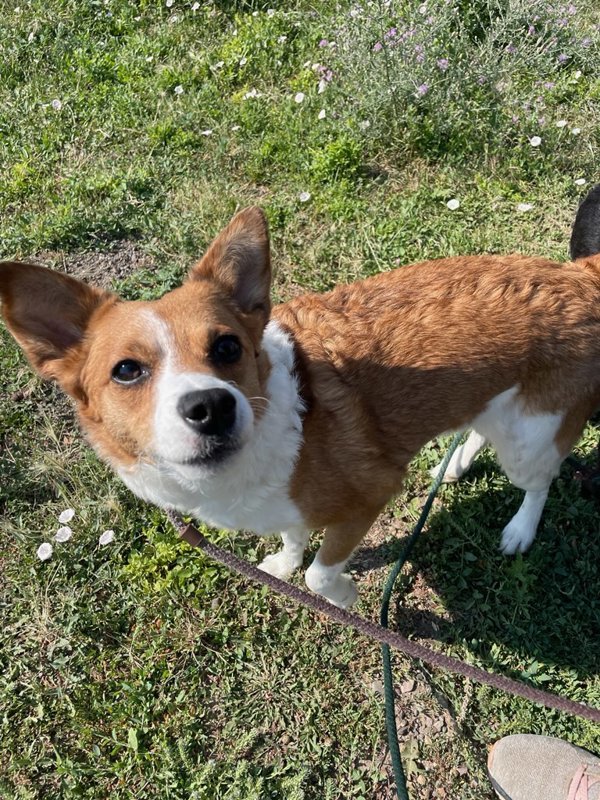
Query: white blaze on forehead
161	332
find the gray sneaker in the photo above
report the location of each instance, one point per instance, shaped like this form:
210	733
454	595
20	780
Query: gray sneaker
528	767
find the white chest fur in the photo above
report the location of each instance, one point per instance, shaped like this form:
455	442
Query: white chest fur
251	490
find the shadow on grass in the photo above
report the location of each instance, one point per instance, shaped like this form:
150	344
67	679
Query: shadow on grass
540	610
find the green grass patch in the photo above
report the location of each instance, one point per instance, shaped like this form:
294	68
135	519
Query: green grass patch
130	132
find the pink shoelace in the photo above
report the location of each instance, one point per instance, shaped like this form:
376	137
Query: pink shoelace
582	782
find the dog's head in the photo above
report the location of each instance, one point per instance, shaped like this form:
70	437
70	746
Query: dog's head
178	381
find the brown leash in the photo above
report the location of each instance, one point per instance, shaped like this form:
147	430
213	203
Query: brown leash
374	631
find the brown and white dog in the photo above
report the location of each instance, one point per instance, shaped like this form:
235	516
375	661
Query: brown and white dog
306	415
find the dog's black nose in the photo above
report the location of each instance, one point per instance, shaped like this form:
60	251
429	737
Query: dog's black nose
208	411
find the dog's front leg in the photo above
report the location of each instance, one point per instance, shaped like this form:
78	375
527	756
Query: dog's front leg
325	574
290	557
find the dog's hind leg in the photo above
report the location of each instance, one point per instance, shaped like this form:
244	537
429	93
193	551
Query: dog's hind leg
520	532
530	456
544	441
462	459
290	557
325	574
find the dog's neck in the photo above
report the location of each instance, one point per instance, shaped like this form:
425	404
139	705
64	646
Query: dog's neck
251	490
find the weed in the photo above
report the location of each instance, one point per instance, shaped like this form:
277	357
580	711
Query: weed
446	81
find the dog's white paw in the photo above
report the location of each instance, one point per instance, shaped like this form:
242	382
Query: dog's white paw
516	538
278	565
331	583
449	475
343	593
346	592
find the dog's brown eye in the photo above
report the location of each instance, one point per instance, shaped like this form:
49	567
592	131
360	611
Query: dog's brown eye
127	371
226	349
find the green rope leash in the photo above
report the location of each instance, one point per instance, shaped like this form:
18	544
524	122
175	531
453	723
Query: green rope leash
388	680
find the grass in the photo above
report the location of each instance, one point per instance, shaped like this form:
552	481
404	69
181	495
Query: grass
139	669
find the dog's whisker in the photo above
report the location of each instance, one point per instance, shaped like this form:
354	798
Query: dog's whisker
259	403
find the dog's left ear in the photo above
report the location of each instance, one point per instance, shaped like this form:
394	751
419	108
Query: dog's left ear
239	259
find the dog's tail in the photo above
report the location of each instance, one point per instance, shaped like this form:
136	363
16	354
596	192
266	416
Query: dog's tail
585	238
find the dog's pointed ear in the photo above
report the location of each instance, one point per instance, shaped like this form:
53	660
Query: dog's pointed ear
239	259
48	314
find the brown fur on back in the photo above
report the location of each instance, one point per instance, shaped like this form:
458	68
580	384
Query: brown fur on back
379	359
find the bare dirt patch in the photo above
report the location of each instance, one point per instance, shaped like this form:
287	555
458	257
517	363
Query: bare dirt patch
101	268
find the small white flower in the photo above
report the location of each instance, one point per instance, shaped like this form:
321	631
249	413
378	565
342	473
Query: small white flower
252	93
207	132
580	182
196	6
453	204
56	104
577	74
178	89
535	141
281	39
243	61
44	551
169	3
255	13
304	197
149	58
270	12
523	207
106	537
219	65
364	125
575	131
63	534
322	114
423	8
562	123
66	516
299	98
235	127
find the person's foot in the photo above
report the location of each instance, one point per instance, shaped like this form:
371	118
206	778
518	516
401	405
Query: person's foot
529	767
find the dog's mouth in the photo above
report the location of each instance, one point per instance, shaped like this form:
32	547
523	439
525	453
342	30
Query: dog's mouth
213	452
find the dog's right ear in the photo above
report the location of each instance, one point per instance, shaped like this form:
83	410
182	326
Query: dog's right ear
239	259
48	314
